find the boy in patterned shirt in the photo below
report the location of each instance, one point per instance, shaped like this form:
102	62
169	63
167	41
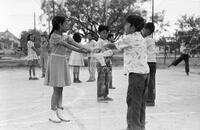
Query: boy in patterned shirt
137	69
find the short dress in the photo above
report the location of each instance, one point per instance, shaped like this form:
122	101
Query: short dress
32	57
57	73
76	59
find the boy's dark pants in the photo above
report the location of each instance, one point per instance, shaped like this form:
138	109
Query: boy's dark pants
103	81
151	95
184	57
136	96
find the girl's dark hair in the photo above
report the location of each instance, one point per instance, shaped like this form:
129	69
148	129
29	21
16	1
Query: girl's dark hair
77	37
136	21
103	28
29	37
110	35
57	20
150	26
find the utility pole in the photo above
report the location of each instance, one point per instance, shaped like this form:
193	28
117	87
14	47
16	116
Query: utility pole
152	13
34	22
53	8
105	13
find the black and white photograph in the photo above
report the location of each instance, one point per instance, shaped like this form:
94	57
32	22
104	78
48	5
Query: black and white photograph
100	65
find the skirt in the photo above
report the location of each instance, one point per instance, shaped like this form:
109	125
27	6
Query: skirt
33	62
57	73
76	59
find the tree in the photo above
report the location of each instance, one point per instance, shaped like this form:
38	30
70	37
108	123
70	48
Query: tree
86	15
188	29
23	38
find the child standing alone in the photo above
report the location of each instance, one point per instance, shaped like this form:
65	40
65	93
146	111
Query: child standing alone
32	56
76	60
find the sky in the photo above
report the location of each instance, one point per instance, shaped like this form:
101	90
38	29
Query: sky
18	15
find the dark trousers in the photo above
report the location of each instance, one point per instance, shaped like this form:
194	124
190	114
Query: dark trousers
110	78
136	95
151	95
103	81
184	57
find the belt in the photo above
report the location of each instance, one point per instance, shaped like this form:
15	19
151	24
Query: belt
53	54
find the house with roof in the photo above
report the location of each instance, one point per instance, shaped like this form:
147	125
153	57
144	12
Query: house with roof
8	41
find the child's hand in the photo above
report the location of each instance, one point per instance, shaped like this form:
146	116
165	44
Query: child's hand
97	50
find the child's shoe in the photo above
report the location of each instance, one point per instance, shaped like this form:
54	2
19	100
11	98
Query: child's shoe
101	99
108	99
53	117
78	81
43	75
35	78
61	115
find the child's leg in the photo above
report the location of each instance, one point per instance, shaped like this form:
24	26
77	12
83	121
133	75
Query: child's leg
75	72
92	68
136	101
101	82
60	97
89	58
78	72
33	68
30	67
54	98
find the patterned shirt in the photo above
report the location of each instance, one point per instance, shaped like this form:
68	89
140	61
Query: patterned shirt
151	49
135	53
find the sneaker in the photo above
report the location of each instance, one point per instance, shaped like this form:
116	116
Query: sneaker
53	117
150	104
112	87
169	65
78	81
101	99
61	115
90	80
43	76
35	78
30	78
108	99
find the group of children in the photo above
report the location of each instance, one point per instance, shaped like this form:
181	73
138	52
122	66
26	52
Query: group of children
139	62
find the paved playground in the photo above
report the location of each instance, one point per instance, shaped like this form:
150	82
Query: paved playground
25	104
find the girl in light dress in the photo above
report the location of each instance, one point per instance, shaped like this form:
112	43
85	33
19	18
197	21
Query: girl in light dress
32	57
57	73
76	60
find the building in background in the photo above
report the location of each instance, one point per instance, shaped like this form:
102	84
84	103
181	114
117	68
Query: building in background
8	41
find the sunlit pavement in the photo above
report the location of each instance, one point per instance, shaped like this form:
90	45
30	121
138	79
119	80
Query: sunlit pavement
25	104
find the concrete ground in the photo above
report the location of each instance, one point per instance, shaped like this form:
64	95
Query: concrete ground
25	104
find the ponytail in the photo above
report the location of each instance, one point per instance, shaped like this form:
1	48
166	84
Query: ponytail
55	23
53	29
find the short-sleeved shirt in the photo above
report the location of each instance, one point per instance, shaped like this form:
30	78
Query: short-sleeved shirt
135	53
44	48
151	49
54	41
